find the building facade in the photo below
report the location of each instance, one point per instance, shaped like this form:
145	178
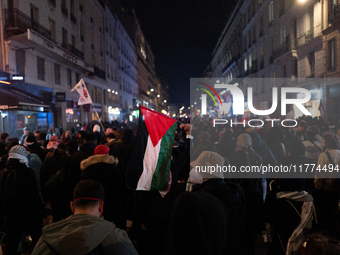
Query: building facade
53	44
283	43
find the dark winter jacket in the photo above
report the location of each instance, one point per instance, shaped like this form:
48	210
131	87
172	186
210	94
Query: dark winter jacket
52	164
19	195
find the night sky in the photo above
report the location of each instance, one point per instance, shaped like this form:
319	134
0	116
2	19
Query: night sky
182	35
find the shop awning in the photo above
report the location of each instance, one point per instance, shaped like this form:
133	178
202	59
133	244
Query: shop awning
16	99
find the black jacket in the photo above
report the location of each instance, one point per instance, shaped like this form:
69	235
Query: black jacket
19	195
103	168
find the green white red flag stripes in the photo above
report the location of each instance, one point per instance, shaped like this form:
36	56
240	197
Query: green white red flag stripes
149	167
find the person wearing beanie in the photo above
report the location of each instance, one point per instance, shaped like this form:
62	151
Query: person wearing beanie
103	167
20	201
34	147
34	161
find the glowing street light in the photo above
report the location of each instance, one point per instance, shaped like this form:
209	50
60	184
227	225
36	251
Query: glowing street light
158	95
152	90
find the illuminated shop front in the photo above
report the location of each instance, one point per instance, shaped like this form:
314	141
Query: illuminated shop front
20	109
114	113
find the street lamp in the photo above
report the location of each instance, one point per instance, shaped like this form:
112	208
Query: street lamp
152	90
158	95
165	101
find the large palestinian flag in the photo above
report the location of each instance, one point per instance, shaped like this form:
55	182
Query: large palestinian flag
149	167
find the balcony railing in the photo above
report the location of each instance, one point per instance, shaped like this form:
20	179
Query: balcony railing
309	35
99	72
75	51
16	22
282	49
73	18
64	10
334	12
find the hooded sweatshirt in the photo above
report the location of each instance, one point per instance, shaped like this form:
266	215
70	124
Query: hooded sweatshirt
80	234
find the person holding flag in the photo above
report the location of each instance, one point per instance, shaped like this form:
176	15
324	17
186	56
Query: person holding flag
152	170
83	93
85	97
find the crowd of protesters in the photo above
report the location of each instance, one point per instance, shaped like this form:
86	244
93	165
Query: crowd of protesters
42	174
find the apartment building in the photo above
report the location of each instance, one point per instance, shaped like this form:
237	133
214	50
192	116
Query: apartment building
281	43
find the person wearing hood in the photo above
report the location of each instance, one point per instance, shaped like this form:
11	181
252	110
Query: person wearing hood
198	225
231	194
102	167
244	155
262	149
85	231
20	201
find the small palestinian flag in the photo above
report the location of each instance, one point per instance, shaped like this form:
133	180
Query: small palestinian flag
149	167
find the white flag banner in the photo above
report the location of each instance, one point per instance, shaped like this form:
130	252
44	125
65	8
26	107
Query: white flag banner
83	92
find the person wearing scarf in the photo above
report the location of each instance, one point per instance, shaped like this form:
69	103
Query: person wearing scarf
291	213
19	199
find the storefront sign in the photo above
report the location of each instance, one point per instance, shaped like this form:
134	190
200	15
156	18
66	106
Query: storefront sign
18	78
3	107
32	108
60	96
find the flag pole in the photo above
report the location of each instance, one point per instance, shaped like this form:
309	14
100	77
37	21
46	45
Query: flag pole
101	124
